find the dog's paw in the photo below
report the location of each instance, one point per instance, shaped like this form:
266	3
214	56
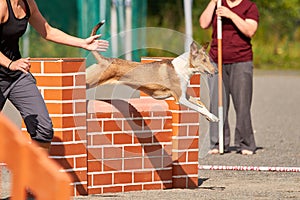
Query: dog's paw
212	118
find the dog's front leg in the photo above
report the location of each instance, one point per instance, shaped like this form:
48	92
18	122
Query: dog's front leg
202	110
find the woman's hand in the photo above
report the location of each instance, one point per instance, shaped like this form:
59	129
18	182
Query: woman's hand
223	11
23	64
92	44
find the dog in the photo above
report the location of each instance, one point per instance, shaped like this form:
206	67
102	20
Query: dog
159	79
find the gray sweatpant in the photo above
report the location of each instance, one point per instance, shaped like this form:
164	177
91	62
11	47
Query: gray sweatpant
237	82
25	96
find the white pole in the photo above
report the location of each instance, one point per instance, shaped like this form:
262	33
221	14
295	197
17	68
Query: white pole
113	31
128	30
220	81
188	23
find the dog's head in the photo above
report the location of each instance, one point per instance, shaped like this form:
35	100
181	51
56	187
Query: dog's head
200	60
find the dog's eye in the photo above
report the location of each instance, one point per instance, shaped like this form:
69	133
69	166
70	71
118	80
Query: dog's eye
204	60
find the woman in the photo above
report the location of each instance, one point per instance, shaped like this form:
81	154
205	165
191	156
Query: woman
240	21
16	82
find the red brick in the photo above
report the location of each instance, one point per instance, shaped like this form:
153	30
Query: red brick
185	169
101	139
193	130
162	137
167	186
80	107
180	182
123	138
103	115
66	163
112	165
143	177
52	66
80	135
153	150
35	67
54	81
73	65
94	166
143	138
132	151
78	176
190	117
94	191
60	108
128	188
94	126
68	121
80	80
154	186
112	152
193	91
193	156
133	125
195	79
133	163
65	94
182	157
112	125
112	189
95	153
63	136
102	179
152	162
122	177
167	123
81	162
189	143
167	161
163	175
192	182
68	149
153	124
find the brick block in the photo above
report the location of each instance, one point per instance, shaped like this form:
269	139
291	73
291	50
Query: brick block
123	178
142	176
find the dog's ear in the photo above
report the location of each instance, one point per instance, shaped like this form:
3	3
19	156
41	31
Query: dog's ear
194	48
205	46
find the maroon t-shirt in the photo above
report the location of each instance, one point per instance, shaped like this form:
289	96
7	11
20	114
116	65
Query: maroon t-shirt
236	47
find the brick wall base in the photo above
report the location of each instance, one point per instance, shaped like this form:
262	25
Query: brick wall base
117	145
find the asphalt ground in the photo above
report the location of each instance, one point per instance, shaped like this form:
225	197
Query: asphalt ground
276	121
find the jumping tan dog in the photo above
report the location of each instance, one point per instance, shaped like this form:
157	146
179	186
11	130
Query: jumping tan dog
160	80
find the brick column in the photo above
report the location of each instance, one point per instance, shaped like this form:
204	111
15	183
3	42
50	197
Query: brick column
62	84
185	140
129	145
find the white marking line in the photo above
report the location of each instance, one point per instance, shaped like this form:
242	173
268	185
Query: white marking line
249	168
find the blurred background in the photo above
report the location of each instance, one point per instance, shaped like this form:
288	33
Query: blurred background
276	43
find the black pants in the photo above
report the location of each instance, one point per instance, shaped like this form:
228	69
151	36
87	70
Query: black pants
237	82
25	96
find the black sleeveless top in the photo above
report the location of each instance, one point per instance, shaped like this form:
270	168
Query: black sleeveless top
10	32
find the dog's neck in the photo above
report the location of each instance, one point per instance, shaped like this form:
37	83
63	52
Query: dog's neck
182	66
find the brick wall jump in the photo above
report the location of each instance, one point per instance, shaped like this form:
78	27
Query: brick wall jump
117	145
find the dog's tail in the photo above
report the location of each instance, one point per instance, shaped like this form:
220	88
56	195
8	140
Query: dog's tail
96	54
95	29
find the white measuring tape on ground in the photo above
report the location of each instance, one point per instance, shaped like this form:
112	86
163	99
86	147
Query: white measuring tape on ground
249	168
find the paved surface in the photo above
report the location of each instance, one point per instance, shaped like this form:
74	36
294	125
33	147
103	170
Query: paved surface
276	121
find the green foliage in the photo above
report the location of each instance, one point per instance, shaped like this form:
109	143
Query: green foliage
276	43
